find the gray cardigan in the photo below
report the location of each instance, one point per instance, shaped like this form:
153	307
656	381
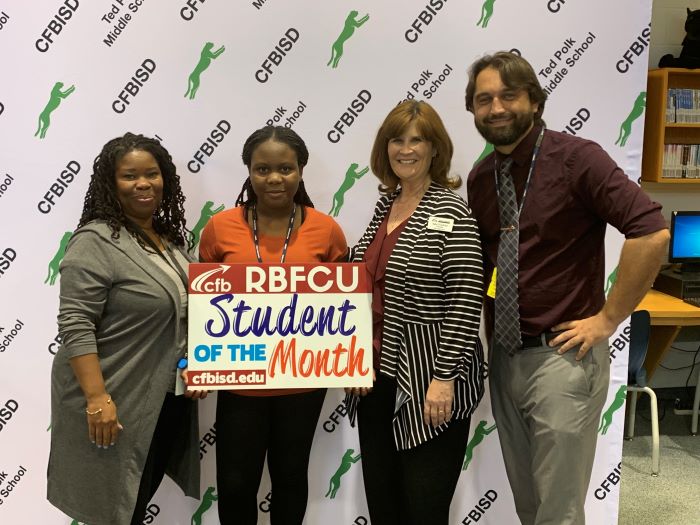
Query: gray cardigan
117	303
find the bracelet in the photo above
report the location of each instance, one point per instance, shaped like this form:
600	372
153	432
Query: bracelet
99	410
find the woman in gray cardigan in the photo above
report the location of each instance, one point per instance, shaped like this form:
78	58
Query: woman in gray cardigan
117	425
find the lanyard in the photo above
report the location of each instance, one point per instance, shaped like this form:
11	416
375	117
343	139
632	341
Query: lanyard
535	152
286	239
170	260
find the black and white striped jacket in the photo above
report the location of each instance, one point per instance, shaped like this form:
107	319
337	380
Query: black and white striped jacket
432	309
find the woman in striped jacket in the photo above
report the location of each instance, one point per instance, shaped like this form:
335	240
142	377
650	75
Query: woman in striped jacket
422	250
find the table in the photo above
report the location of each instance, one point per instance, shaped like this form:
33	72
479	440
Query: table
668	315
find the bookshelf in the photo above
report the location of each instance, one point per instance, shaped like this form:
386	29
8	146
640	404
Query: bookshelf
660	134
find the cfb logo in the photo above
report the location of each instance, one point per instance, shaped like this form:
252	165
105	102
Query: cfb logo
151	512
188	11
7	411
352	112
608	483
208	440
55	345
58	188
56	25
134	85
285	44
7	257
265	504
335	418
209	145
424	19
555	5
481	508
636	49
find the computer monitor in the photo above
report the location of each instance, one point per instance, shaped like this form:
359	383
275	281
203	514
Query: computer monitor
685	240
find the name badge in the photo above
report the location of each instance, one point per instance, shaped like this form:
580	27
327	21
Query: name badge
440	224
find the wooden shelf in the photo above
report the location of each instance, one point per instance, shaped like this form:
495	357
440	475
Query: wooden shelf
658	132
666	180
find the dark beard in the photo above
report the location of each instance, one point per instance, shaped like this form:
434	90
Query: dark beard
504	136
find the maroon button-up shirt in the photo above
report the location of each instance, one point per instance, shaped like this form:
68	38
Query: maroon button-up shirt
576	189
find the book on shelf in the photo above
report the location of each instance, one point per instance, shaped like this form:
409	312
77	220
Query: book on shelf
681	161
683	106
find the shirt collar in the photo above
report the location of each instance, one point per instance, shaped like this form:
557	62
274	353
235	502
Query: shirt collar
522	154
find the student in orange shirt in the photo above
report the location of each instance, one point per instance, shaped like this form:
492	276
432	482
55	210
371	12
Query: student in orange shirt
274	221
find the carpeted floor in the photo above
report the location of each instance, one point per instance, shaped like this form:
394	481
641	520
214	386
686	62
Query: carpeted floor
672	498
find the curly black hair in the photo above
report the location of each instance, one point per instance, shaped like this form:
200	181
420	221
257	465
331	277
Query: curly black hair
286	136
101	200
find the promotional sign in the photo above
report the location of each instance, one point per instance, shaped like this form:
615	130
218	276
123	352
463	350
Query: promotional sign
258	326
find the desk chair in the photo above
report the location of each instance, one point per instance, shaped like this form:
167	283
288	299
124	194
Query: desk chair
640	326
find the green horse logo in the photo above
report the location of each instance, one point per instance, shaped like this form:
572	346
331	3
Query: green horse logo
616	404
611	280
626	126
345	464
208	211
56	261
480	432
76	522
351	175
208	500
486	13
351	23
205	58
54	101
488	149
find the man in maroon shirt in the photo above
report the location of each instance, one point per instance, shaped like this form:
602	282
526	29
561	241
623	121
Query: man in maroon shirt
548	393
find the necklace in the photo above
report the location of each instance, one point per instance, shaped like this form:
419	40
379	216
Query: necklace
256	241
535	152
403	207
399	214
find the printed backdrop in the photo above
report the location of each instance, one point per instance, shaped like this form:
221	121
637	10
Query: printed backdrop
201	76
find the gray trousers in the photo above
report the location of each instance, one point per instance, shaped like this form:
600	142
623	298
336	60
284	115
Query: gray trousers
547	408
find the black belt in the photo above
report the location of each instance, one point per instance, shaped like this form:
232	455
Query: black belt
531	341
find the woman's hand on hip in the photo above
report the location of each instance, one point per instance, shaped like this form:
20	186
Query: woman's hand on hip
438	402
102	420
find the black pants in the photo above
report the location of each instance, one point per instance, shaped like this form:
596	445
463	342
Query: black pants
413	486
171	422
248	427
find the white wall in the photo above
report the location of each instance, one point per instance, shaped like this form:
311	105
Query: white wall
667	20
